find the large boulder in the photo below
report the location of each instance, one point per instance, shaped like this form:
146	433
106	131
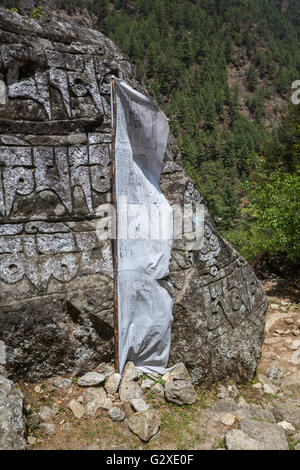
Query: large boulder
12	423
56	279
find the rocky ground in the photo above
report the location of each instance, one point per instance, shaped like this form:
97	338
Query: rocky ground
103	410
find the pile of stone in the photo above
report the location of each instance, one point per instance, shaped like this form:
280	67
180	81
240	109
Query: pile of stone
258	428
110	391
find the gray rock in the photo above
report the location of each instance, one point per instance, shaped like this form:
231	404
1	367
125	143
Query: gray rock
292	380
2	353
228	419
180	372
271	436
48	428
61	276
107	404
145	424
271	389
297	447
116	414
3	371
286	412
76	408
225	406
12	423
112	383
62	382
239	440
130	372
158	388
139	405
288	428
94	399
242	412
275	374
46	413
222	392
233	391
129	391
180	392
91	379
147	384
106	369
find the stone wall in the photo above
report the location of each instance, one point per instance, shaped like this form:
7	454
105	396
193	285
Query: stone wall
56	307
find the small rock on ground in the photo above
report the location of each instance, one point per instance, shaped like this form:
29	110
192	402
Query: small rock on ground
288	413
62	382
116	414
91	379
147	384
180	392
145	424
159	389
76	408
112	383
47	428
129	391
130	372
46	413
180	372
228	419
139	405
288	428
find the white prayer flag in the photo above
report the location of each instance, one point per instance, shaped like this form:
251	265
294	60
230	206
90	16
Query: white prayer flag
144	232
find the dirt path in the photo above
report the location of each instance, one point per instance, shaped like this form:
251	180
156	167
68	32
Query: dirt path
194	426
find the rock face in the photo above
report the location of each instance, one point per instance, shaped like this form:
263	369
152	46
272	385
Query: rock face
12	424
56	280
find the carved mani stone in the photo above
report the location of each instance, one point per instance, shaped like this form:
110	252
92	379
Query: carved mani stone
56	280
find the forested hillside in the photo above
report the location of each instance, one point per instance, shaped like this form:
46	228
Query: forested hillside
223	71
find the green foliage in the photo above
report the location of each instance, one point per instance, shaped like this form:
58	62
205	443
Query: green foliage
252	78
275	201
37	13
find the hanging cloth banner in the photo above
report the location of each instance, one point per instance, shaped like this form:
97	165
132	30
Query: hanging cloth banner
144	232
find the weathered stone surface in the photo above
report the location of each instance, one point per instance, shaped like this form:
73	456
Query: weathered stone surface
116	414
147	384
228	419
145	424
56	281
129	391
76	408
275	374
288	413
12	424
46	413
228	406
180	372
106	369
130	372
159	389
288	428
62	382
48	428
271	436
94	398
112	383
91	379
180	392
139	405
239	440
